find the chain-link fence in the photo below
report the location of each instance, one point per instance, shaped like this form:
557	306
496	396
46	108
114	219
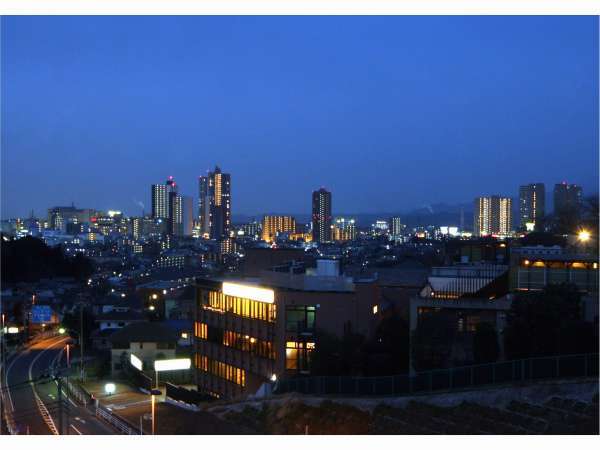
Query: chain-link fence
565	366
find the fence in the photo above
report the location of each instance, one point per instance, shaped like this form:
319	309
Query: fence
140	379
78	393
115	421
188	396
565	366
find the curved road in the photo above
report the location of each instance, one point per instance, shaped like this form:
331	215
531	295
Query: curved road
35	406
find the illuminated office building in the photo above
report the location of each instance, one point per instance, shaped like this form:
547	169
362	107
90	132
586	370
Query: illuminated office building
321	216
251	334
273	225
492	216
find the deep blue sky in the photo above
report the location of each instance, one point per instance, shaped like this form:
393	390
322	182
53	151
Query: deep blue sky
389	113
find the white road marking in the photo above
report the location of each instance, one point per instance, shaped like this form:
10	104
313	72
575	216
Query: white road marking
41	406
73	426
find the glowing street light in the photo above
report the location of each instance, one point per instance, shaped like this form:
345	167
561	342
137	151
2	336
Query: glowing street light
110	388
584	236
61	330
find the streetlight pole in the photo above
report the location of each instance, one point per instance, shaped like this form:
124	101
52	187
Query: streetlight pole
153	401
2	360
81	339
153	417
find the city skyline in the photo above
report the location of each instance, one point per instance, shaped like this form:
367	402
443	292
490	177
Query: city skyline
412	120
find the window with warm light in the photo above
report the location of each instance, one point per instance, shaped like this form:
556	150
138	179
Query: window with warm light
298	355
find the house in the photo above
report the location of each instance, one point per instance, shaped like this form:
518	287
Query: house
148	341
118	318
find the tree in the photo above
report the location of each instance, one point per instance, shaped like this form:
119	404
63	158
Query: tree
326	357
335	356
72	323
485	344
432	341
29	259
387	352
548	323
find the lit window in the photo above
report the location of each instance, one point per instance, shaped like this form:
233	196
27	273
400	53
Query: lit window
375	309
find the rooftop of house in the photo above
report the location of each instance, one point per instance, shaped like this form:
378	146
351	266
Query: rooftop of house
122	316
145	332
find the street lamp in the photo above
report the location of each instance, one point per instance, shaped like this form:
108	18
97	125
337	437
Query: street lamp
584	236
166	365
110	388
154	393
63	331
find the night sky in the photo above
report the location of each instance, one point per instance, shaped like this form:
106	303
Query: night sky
389	113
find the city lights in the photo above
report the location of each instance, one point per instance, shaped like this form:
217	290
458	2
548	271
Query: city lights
110	388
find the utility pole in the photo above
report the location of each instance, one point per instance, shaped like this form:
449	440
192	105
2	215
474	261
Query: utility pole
60	406
2	360
81	339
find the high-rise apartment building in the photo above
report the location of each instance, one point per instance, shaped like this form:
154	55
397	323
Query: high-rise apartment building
188	215
532	205
167	206
492	216
175	214
159	201
344	229
321	216
273	225
395	228
215	204
203	206
567	198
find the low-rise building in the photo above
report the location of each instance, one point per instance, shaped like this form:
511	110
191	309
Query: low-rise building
148	341
248	333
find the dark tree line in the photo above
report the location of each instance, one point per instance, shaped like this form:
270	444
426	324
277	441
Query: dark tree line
547	323
571	219
385	353
29	259
541	323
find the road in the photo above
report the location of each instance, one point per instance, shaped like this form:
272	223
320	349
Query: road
35	406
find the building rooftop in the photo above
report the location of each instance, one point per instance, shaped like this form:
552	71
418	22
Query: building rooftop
144	332
120	316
